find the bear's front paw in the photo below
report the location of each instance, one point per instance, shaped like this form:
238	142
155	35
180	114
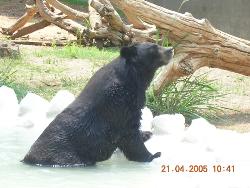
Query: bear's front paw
156	155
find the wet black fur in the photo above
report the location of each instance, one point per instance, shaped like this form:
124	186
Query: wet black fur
105	116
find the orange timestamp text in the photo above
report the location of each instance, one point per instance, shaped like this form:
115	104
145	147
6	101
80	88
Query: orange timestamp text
197	168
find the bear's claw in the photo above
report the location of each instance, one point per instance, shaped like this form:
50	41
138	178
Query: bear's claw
156	155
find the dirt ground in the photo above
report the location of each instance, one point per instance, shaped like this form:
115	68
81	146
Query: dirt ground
237	86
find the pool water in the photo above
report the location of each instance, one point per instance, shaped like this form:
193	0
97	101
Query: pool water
183	149
117	172
14	143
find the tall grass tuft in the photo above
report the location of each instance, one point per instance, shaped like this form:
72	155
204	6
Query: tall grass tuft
182	3
8	76
7	73
191	96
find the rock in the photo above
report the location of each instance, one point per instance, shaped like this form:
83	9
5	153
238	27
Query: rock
146	119
199	131
168	124
8	105
33	103
59	102
32	112
9	49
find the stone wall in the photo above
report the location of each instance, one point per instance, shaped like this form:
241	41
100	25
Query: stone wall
231	16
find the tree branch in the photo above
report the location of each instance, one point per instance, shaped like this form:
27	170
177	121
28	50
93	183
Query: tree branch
31	28
72	13
30	12
204	44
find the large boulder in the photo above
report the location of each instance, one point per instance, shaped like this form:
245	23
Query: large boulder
9	49
168	124
59	102
32	111
8	106
146	119
33	103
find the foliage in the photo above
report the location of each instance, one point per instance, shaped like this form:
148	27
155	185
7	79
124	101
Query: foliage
77	2
75	51
162	39
182	3
8	76
191	96
7	72
44	73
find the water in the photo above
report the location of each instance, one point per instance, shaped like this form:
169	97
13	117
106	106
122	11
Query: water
117	172
201	144
14	144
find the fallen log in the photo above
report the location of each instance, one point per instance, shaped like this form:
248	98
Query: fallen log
30	12
42	43
197	43
30	29
72	13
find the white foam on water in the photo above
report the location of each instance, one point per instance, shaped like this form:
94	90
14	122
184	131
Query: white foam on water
201	146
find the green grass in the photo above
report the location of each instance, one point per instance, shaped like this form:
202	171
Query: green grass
75	85
43	72
182	3
8	71
162	39
74	51
25	77
76	2
191	96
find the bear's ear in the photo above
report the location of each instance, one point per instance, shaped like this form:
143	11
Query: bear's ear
128	52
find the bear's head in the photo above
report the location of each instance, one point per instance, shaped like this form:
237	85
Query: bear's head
147	56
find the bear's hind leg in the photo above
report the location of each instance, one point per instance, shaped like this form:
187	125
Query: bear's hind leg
146	135
133	147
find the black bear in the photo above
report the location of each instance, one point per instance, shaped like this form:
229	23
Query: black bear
106	115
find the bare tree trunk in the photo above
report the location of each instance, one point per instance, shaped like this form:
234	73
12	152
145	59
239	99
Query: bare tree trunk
95	18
